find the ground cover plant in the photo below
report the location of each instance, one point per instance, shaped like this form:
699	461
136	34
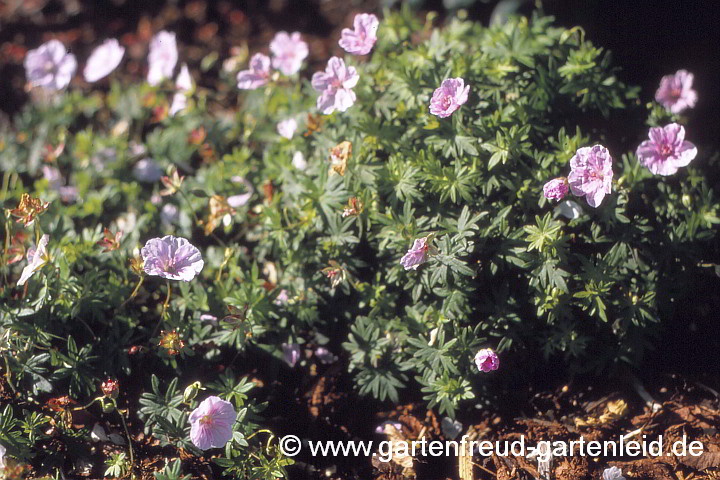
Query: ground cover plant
439	215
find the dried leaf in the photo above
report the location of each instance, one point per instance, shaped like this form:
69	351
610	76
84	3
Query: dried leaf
703	462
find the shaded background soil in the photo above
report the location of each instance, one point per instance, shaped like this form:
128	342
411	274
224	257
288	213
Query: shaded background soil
648	40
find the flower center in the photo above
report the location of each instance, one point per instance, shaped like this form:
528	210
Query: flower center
666	150
676	92
49	66
206	420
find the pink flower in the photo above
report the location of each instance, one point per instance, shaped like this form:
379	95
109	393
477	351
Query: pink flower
417	255
381	428
183	86
675	92
487	360
556	189
103	60
291	353
162	58
288	52
362	39
37	258
236	201
591	174
282	297
298	161
325	356
448	97
211	423
171	257
258	74
335	85
667	150
50	66
287	128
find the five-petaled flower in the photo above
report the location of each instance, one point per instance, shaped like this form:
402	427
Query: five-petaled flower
676	92
258	74
162	58
171	342
37	258
556	188
103	60
418	253
335	85
288	52
448	97
487	360
172	257
211	423
28	209
50	66
667	150
362	38
591	174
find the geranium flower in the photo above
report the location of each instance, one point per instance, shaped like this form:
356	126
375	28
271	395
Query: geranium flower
291	353
335	85
183	86
50	66
591	174
37	258
288	52
211	423
282	297
172	257
162	58
667	150
169	214
258	74
487	360
418	254
28	209
103	60
286	128
362	39
448	97
556	189
675	92
236	201
325	356
298	161
381	428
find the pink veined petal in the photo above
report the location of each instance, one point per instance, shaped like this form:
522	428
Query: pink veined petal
326	102
685	154
321	81
674	134
351	78
344	99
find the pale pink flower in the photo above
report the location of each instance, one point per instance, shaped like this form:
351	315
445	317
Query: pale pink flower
258	74
236	201
211	423
298	161
556	189
381	428
417	255
591	174
667	150
288	52
335	85
612	473
325	356
183	86
50	66
675	92
37	258
487	360
174	258
52	175
362	39
291	353
162	58
448	97
103	60
282	297
286	128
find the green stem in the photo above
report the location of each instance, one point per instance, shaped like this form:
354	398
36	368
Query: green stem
197	220
134	292
164	310
127	433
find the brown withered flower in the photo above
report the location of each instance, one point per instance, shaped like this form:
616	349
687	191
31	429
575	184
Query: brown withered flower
355	207
172	183
171	342
29	208
110	241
